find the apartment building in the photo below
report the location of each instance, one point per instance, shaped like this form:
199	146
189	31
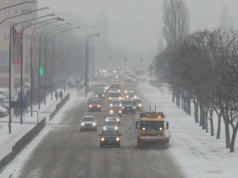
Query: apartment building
5	37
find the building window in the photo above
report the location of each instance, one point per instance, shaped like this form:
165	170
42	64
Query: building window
6	11
6	24
6	37
16	11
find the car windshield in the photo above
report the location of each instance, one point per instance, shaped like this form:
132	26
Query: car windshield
109	133
112	115
114	94
110	123
116	107
151	125
128	102
115	102
88	119
94	102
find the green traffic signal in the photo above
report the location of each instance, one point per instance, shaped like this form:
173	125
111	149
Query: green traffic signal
41	70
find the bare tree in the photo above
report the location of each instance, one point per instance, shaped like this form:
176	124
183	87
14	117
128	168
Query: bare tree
176	21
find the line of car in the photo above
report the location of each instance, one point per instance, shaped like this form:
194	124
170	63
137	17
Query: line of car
119	103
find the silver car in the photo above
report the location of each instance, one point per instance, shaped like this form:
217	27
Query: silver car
88	123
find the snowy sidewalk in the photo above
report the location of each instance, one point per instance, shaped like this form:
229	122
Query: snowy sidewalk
17	130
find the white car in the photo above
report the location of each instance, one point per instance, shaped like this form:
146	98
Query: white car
88	123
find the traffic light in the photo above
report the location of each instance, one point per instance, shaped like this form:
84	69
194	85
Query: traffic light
41	70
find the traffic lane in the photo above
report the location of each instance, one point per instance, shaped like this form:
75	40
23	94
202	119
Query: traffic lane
67	152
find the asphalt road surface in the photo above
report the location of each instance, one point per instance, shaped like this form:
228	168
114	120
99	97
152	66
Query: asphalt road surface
68	153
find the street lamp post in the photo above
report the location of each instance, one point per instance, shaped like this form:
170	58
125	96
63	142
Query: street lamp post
10	61
93	60
87	64
39	82
57	19
53	56
22	60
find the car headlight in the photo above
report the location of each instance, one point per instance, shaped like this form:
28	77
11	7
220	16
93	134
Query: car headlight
125	91
110	105
94	124
160	128
102	95
111	111
116	128
110	98
143	128
106	120
123	107
118	120
102	139
139	105
118	139
134	107
104	128
120	104
119	111
99	106
82	124
119	98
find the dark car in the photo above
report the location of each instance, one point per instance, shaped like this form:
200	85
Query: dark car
129	106
138	103
110	137
101	92
110	125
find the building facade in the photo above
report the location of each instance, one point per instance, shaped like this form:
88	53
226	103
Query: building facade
6	22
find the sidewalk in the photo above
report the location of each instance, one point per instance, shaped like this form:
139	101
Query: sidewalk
17	130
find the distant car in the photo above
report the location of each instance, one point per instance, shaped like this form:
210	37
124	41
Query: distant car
113	117
110	137
138	103
115	102
110	125
88	123
101	92
129	106
114	95
116	109
94	104
3	112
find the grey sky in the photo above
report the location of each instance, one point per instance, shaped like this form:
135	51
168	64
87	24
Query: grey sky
137	24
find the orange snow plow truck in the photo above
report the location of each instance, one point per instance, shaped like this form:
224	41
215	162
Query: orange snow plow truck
152	130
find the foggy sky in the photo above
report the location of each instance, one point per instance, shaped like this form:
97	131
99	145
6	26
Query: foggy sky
137	24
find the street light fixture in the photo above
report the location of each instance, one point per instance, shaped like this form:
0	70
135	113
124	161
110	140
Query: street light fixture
18	4
43	8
